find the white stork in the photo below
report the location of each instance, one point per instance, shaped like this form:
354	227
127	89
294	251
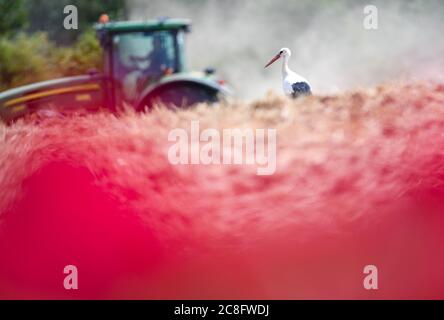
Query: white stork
294	85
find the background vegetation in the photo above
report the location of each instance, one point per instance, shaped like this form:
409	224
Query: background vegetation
34	46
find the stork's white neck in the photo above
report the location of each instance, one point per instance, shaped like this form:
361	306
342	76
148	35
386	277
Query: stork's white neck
285	69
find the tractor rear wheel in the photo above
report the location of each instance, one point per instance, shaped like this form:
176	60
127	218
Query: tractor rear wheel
179	95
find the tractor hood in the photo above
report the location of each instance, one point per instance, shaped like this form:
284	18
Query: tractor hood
68	91
45	85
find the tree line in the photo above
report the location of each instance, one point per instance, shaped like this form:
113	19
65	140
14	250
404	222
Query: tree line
34	45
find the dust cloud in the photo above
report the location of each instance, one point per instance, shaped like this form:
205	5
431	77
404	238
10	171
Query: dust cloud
330	47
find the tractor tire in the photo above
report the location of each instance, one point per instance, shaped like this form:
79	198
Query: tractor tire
179	96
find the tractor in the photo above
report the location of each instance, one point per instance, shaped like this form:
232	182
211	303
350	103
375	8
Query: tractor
143	66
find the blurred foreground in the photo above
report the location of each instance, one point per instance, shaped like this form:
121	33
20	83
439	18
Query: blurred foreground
359	181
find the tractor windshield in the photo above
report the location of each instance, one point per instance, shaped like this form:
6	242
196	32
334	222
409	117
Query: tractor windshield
141	58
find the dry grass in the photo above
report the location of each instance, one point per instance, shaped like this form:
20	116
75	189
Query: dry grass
344	164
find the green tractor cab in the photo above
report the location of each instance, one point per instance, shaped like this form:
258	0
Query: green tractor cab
144	65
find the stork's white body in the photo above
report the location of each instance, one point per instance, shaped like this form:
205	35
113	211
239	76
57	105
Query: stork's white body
288	79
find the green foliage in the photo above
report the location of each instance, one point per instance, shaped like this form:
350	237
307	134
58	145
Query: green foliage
37	55
30	58
48	16
12	16
86	54
24	59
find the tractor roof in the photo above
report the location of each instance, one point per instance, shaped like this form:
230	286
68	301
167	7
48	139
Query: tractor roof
146	25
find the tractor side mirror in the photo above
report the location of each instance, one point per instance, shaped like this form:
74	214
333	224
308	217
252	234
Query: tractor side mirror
209	71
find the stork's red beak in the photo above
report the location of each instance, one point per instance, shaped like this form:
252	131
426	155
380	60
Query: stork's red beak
273	60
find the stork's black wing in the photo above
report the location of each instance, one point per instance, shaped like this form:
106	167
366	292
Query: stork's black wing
301	89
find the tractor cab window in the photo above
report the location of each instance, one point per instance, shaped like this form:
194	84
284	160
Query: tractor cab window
141	58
